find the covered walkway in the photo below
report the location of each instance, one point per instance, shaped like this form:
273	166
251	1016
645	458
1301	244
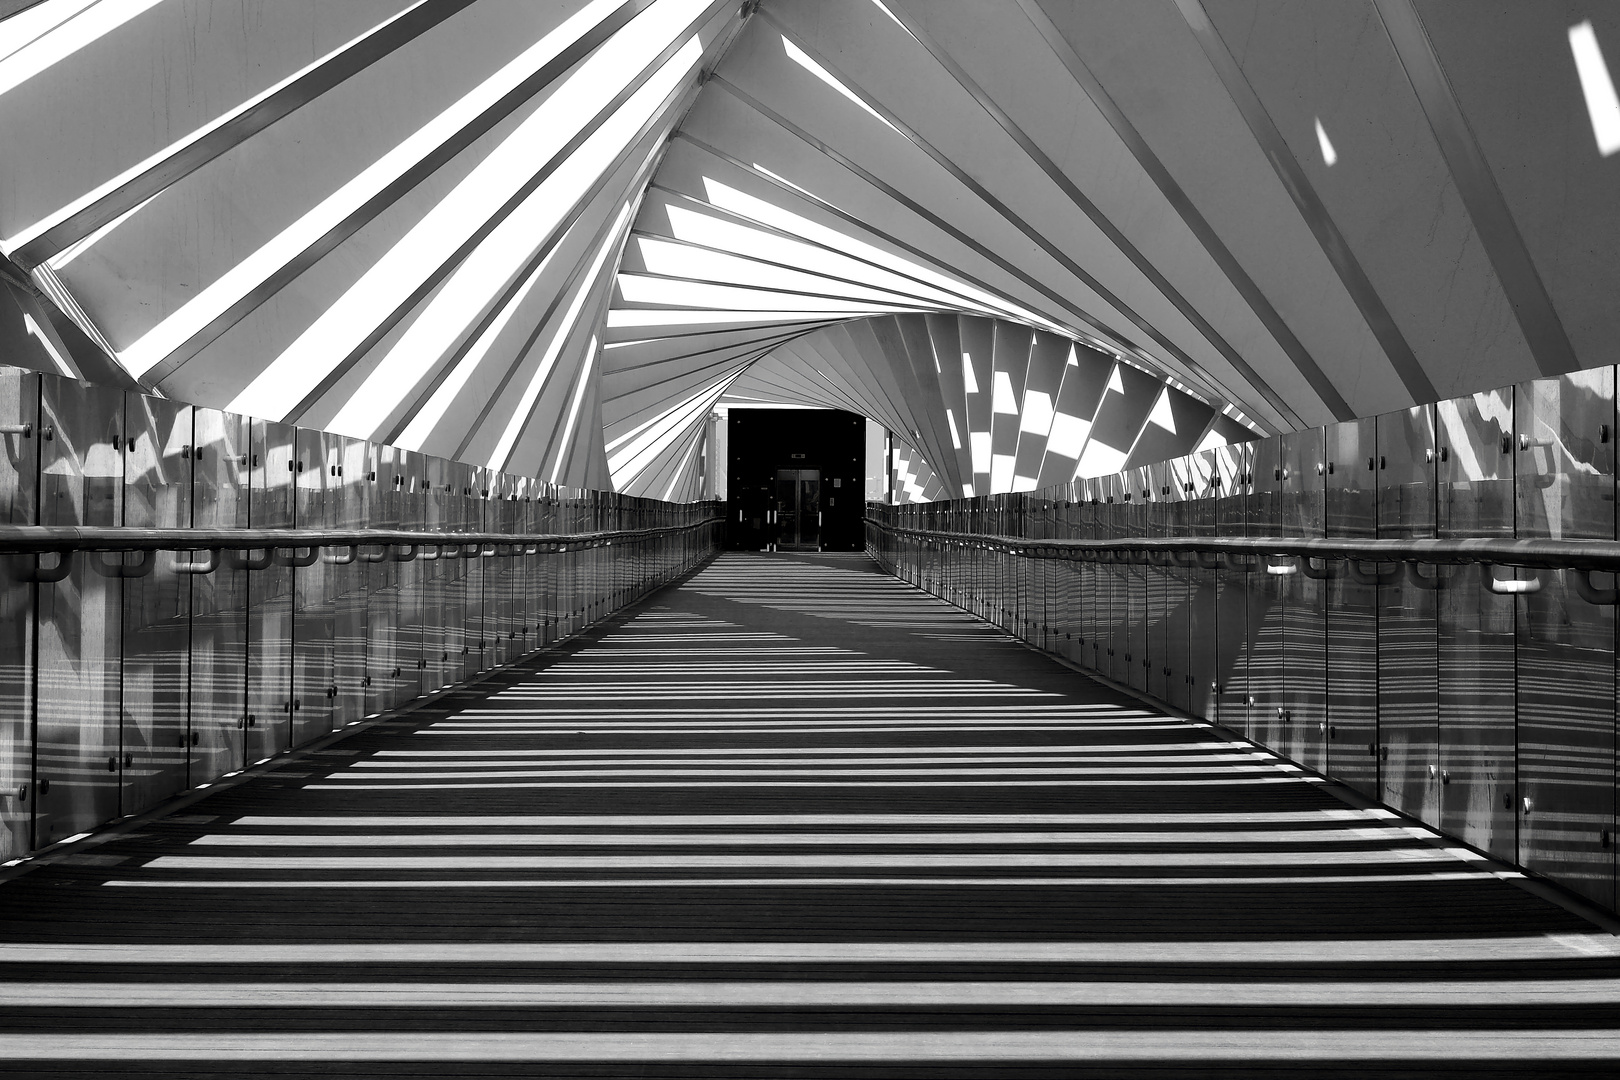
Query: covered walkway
790	817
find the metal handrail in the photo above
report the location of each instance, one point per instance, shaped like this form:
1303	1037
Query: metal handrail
1545	554
28	539
259	549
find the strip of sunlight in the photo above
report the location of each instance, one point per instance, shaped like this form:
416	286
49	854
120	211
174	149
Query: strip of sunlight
657	431
564	106
1163	415
582	382
101	192
1100	459
32	23
565	328
800	57
62	258
682	261
645	289
748	206
881	7
1068	436
969	382
779	178
34	331
1601	103
1001	472
956	439
746	240
1329	155
686	470
967	491
979	450
672	426
427	418
489	268
55	38
719	317
1002	398
1037	413
1116	384
502	254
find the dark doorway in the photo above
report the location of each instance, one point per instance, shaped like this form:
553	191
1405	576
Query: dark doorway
795	479
798	509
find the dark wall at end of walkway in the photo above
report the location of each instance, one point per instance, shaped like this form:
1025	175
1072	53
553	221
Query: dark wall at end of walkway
762	441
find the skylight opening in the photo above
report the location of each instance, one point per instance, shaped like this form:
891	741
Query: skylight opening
55	39
800	57
718	317
1068	436
967	491
565	328
1100	459
535	141
1002	398
745	205
1214	440
1163	416
427	418
956	439
582	382
490	266
970	383
1001	472
646	289
979	451
1037	413
681	261
1602	105
1329	155
102	191
750	242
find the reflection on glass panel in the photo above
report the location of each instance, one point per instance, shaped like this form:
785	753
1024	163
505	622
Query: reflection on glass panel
314	683
1475	470
1564	480
80	618
19	480
271	471
1352	619
410	659
1564	458
1268	699
1236	632
1351	478
350	492
157	605
1475	679
219	601
382	586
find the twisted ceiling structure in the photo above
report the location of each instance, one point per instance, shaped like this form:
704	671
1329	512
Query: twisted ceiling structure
1033	238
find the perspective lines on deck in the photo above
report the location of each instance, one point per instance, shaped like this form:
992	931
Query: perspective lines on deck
792	818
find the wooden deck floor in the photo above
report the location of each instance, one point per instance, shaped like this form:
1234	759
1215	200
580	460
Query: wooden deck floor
792	818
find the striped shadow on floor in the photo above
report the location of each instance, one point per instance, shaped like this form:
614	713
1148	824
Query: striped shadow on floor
793	818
